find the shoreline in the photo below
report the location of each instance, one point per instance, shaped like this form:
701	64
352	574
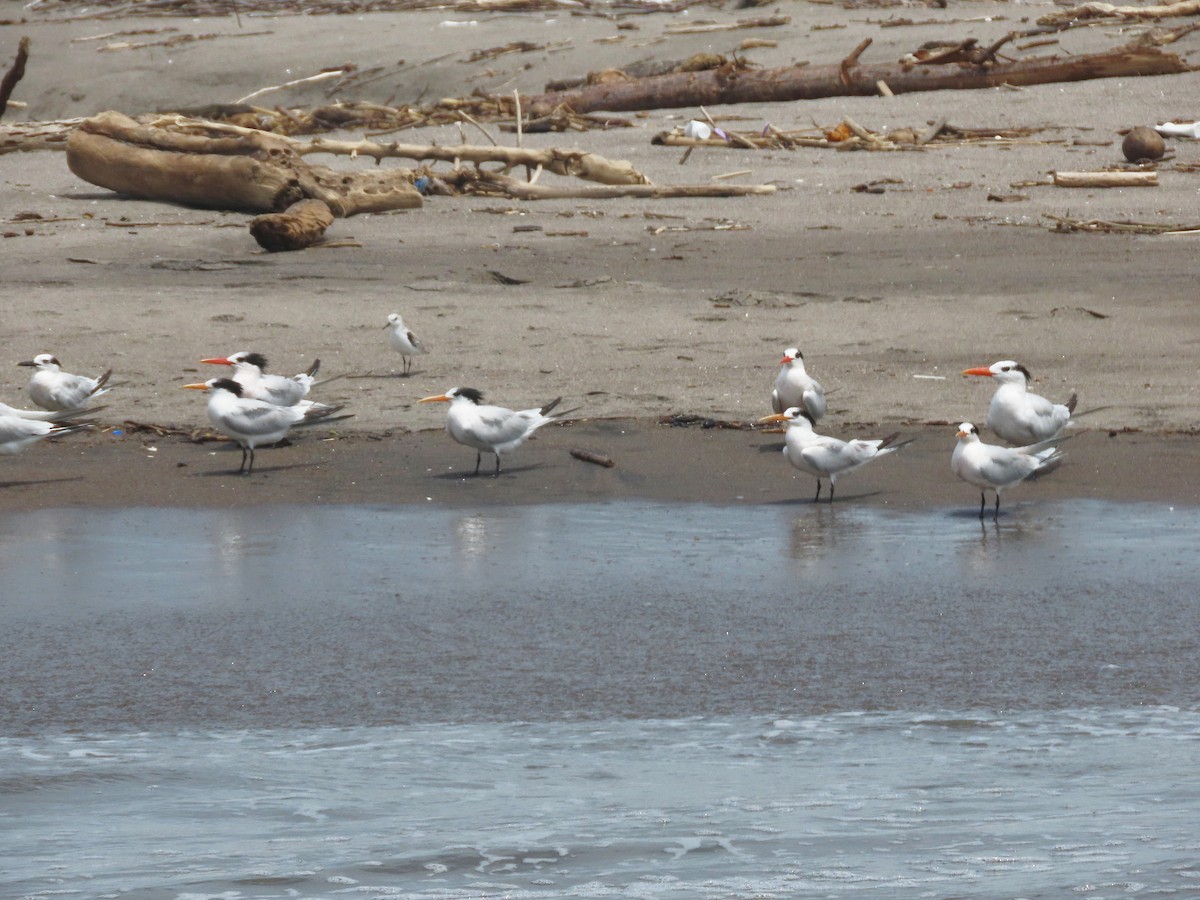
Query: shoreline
653	462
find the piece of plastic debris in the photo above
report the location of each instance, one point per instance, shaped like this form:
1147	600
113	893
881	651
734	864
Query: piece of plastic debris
697	130
1179	129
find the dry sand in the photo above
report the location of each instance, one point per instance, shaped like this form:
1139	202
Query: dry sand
630	309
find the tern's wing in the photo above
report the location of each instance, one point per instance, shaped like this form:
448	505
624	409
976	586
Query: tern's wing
498	425
13	428
259	418
830	455
814	401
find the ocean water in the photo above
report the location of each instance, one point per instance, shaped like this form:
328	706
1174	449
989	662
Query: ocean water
603	700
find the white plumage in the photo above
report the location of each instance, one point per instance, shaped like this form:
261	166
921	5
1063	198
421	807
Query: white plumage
991	467
490	429
1018	416
250	371
53	389
403	341
17	433
827	457
250	422
795	387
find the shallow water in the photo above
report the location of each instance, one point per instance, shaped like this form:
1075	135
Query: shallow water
600	700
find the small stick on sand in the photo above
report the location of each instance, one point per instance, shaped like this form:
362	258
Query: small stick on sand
597	458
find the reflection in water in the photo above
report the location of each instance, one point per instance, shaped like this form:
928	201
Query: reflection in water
471	537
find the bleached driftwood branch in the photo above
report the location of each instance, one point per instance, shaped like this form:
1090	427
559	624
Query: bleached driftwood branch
1109	11
571	163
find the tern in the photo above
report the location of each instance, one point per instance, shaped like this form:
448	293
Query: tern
252	422
991	467
46	415
491	429
17	433
403	341
53	389
1017	416
827	457
250	371
795	387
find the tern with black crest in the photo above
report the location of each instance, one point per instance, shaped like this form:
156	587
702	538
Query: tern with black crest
491	429
250	371
827	457
991	467
254	423
1017	415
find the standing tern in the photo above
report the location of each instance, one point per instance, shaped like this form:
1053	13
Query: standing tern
250	371
1018	416
991	467
827	457
17	433
252	422
403	341
491	429
795	387
53	389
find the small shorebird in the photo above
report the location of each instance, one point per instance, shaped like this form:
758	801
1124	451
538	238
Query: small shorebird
250	371
491	429
53	389
827	457
250	422
17	433
1018	416
795	387
403	341
991	467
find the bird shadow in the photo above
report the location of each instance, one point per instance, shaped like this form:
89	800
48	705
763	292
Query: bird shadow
33	482
838	500
486	473
385	375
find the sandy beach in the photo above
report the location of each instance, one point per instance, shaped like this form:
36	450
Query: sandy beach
630	309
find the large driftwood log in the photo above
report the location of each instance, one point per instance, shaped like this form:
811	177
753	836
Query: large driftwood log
254	172
300	225
730	84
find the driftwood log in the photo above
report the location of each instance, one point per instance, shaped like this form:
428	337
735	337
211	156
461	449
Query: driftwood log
557	160
477	181
300	225
1105	179
253	172
734	84
1109	11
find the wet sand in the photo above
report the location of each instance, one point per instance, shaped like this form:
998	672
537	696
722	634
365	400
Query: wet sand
652	462
628	309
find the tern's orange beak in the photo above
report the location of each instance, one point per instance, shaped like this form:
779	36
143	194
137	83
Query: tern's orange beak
776	417
217	361
196	387
787	359
434	399
987	373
